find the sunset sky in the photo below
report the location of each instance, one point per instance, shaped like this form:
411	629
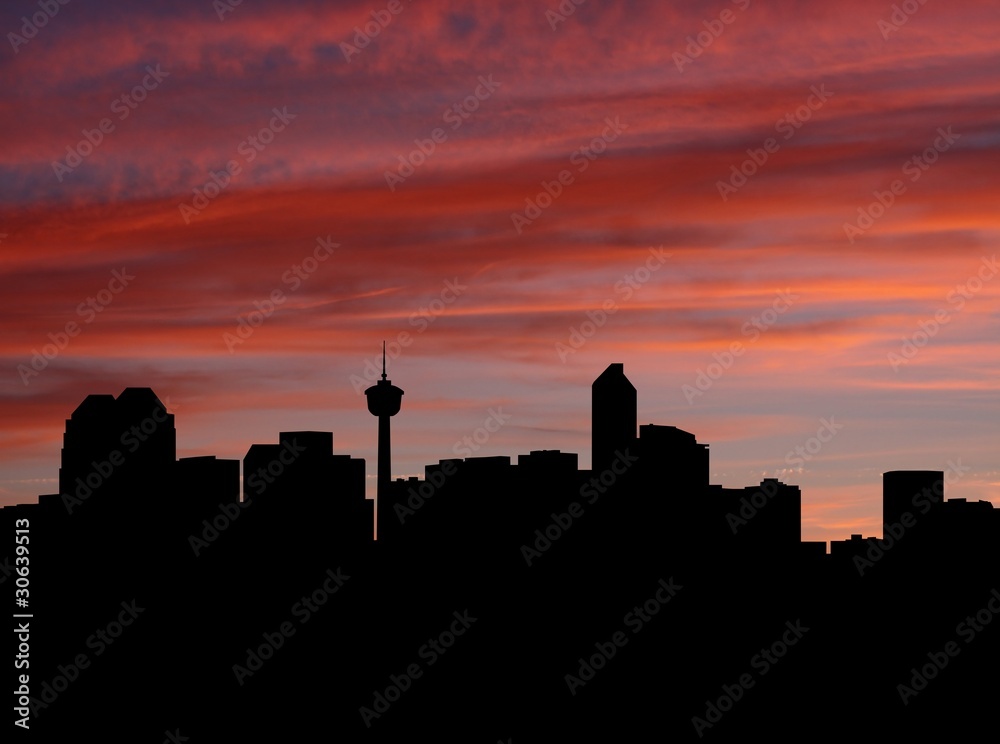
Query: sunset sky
471	179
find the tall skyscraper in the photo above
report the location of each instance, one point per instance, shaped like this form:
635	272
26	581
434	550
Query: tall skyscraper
613	415
123	445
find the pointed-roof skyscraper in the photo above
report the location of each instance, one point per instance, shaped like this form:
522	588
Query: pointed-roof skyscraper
613	415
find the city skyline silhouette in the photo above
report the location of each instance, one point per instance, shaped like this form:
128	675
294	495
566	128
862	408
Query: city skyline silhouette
258	250
487	538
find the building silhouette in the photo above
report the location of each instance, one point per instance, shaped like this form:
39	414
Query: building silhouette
505	599
112	445
911	491
613	415
384	401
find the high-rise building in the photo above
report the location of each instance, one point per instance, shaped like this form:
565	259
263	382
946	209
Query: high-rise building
676	453
613	416
124	445
301	479
914	491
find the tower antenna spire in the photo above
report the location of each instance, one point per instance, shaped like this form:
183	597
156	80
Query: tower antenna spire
383	401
